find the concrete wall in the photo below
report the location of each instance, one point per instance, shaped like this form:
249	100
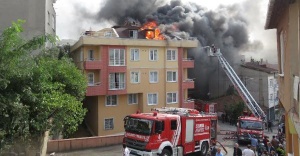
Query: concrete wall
83	143
32	11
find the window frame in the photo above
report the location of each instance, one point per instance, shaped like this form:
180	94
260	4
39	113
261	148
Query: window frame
155	54
134	34
133	52
173	57
91	55
133	73
151	104
108	104
132	96
172	102
157	77
93	77
121	83
176	76
121	53
110	127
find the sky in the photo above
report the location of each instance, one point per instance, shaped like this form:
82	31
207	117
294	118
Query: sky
70	25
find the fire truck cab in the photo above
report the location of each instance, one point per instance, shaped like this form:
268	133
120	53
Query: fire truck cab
169	131
249	125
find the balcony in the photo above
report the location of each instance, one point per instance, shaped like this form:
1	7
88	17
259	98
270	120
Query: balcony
188	103
93	64
188	84
187	63
96	90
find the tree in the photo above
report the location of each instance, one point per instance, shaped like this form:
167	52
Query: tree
38	93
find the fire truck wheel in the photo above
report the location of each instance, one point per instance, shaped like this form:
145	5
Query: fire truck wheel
165	152
204	149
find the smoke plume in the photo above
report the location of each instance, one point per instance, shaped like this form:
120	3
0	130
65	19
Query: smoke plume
225	27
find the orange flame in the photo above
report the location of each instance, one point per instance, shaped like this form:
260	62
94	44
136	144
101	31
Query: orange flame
152	31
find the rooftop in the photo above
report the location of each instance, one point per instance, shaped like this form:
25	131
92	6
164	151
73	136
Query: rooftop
267	68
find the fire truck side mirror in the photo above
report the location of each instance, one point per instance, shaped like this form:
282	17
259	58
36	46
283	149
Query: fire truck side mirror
158	127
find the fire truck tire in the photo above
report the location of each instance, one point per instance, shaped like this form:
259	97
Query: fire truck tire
165	152
204	149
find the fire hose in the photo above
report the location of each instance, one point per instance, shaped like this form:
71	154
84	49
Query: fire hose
222	146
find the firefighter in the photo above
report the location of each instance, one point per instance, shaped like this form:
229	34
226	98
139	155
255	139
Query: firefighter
213	149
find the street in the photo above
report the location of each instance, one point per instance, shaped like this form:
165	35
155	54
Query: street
116	150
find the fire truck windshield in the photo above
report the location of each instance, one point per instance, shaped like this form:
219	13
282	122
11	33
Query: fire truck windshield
139	126
248	124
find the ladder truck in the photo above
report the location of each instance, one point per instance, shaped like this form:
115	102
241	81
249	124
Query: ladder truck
253	125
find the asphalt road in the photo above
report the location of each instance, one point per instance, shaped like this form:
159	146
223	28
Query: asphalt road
116	150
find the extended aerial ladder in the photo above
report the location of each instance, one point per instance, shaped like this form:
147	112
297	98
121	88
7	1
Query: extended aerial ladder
237	83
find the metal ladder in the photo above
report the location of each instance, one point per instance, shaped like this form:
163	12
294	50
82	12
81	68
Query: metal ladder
238	84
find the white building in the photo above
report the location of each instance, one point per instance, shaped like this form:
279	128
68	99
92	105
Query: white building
261	81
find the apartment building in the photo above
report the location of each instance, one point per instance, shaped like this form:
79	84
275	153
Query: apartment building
130	69
39	15
283	15
261	81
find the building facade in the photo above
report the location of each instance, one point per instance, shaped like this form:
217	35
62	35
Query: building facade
39	16
283	15
129	70
261	82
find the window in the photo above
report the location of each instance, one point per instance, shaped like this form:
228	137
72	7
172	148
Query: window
49	18
53	22
134	54
171	55
109	124
282	52
116	81
271	83
91	55
153	55
135	77
173	124
171	97
116	57
133	33
132	98
171	76
153	78
108	34
271	96
90	79
152	99
111	100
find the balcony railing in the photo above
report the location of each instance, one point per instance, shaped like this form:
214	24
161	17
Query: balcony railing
95	89
116	85
188	103
188	84
188	63
92	64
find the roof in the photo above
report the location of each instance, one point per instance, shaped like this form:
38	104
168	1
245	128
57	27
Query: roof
275	10
249	118
259	67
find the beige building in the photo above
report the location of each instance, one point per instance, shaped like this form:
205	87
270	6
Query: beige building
283	15
127	73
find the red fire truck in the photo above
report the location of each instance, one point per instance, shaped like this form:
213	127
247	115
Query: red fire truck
249	125
169	131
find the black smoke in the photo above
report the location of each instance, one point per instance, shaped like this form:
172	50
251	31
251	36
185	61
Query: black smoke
225	27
